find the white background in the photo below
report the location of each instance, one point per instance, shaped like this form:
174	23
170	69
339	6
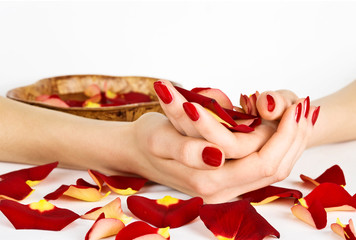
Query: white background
237	46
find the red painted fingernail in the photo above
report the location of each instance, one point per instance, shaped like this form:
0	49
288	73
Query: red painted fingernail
212	156
270	103
163	92
298	112
306	107
191	111
315	115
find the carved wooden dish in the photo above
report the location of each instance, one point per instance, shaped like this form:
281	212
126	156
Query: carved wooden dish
75	84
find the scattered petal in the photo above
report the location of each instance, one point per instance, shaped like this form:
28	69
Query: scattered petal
32	175
111	210
120	184
269	194
236	220
89	194
347	232
104	227
41	215
14	188
92	90
166	212
139	229
325	197
333	174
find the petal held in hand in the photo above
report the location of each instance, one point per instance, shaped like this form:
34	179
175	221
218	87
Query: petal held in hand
236	221
166	212
39	215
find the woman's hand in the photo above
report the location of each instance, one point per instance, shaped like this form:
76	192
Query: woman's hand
193	120
164	156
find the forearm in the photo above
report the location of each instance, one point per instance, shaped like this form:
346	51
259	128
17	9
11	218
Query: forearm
35	136
337	117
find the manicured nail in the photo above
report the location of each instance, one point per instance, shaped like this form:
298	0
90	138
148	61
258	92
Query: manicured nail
163	92
212	156
306	107
270	103
315	115
298	112
191	111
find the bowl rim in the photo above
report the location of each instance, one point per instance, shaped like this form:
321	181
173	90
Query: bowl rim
9	94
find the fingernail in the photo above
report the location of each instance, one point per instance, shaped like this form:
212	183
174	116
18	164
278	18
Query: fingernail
298	112
163	92
212	156
315	115
270	103
191	111
306	107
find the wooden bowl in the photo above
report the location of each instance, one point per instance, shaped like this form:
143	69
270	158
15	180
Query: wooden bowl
74	85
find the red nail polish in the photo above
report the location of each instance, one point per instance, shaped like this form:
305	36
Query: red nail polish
315	115
270	103
306	107
191	111
298	112
163	92
212	156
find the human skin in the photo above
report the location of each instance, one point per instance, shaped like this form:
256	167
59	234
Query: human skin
151	147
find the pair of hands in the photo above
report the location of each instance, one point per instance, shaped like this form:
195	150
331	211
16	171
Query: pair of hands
189	153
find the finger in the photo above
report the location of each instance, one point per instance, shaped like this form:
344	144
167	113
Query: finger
172	104
192	152
235	145
272	104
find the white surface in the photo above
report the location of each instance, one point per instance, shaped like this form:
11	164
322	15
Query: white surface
239	47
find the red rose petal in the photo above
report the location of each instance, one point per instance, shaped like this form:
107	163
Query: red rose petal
345	231
33	174
89	194
92	90
165	212
216	94
236	220
315	215
332	197
139	229
14	188
136	97
269	194
42	215
120	184
333	174
104	227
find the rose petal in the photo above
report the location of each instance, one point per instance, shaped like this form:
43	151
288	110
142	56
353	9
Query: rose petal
139	229
41	215
165	212
331	196
104	227
14	188
216	94
92	90
32	175
315	215
111	210
225	114
88	194
333	174
269	194
344	231
56	102
236	220
136	97
120	184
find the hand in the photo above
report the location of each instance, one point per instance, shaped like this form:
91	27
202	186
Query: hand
159	144
270	105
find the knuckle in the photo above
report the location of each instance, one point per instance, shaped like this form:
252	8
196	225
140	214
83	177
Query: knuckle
203	187
269	170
